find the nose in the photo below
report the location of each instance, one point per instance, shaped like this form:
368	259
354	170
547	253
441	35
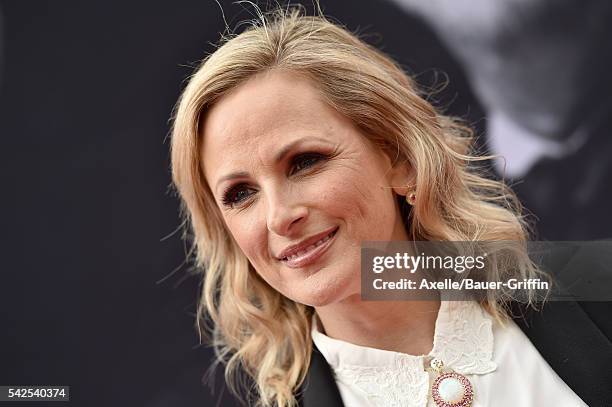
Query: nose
285	212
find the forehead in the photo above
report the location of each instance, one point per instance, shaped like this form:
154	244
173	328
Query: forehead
263	104
251	123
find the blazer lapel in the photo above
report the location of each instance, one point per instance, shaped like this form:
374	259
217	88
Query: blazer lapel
572	344
319	388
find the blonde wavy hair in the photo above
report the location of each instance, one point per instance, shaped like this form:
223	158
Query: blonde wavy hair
254	328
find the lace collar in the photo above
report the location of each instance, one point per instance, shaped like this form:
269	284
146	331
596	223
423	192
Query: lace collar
463	339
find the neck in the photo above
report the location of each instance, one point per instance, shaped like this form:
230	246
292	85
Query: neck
400	326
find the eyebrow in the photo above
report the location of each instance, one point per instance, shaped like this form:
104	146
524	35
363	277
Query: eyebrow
279	157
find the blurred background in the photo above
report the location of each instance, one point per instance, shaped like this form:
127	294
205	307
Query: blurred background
94	290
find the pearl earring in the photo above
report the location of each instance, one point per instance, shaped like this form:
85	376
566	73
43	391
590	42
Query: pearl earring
411	197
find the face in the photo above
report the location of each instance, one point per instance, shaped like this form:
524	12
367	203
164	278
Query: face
299	187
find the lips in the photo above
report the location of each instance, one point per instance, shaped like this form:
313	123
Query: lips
308	250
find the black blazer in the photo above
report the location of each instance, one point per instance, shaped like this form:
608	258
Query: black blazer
573	337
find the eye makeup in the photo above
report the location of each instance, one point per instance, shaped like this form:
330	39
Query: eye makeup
300	163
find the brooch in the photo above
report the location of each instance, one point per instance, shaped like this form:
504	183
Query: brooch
450	389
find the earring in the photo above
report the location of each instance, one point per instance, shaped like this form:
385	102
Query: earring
411	197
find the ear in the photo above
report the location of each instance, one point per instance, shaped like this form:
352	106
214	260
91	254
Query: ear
401	177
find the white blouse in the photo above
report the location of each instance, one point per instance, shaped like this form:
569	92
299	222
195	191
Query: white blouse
502	364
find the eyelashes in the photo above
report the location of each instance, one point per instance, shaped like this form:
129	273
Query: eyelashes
237	194
304	161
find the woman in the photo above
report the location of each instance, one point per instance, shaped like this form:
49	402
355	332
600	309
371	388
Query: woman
293	143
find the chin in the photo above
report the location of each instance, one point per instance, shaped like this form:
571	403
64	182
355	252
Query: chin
323	293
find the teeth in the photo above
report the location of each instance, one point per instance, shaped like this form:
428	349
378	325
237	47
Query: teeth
309	248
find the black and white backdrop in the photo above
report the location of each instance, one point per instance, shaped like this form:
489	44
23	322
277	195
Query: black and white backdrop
94	292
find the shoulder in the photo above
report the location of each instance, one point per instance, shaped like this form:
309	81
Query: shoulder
574	338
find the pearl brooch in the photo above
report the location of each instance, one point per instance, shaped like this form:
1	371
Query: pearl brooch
450	389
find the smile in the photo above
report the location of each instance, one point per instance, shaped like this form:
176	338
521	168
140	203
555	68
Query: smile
310	253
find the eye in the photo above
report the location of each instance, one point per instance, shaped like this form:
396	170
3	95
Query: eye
303	161
236	194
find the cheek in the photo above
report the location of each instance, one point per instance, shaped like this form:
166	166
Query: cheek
250	237
252	241
367	207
